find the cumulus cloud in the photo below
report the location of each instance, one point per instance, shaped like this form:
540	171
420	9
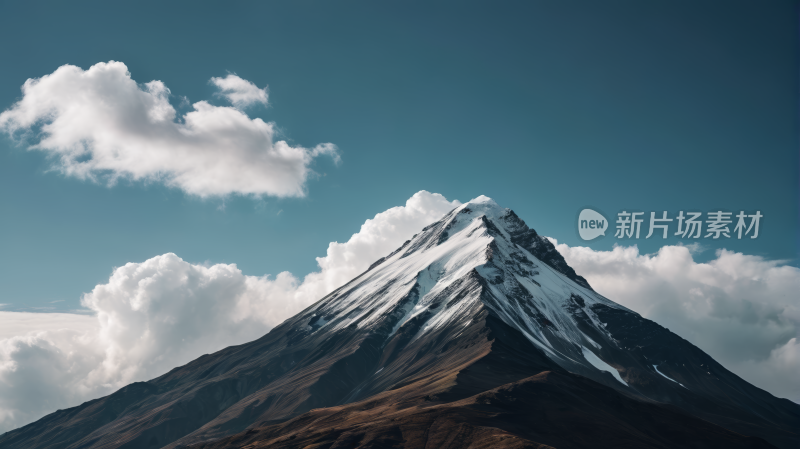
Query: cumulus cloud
154	315
99	124
742	310
240	92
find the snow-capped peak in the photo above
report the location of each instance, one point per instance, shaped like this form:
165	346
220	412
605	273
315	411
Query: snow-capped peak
513	271
484	201
485	206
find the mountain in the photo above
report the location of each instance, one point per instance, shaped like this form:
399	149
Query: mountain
474	333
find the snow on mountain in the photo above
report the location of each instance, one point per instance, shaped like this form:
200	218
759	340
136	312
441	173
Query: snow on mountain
478	237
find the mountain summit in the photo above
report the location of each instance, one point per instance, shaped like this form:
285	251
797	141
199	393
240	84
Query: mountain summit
474	333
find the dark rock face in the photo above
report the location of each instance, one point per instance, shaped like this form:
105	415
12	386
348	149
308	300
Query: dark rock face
540	247
701	386
463	337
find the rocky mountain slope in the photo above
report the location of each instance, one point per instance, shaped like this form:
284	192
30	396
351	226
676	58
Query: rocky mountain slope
477	307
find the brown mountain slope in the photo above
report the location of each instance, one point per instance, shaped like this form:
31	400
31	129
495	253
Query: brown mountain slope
551	409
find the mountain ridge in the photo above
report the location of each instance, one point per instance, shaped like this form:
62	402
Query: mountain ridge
475	301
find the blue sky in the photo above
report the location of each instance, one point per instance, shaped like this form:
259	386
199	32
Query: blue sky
547	107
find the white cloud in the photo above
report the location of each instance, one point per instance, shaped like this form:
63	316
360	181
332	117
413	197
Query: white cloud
161	313
13	324
99	124
742	310
44	371
240	92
